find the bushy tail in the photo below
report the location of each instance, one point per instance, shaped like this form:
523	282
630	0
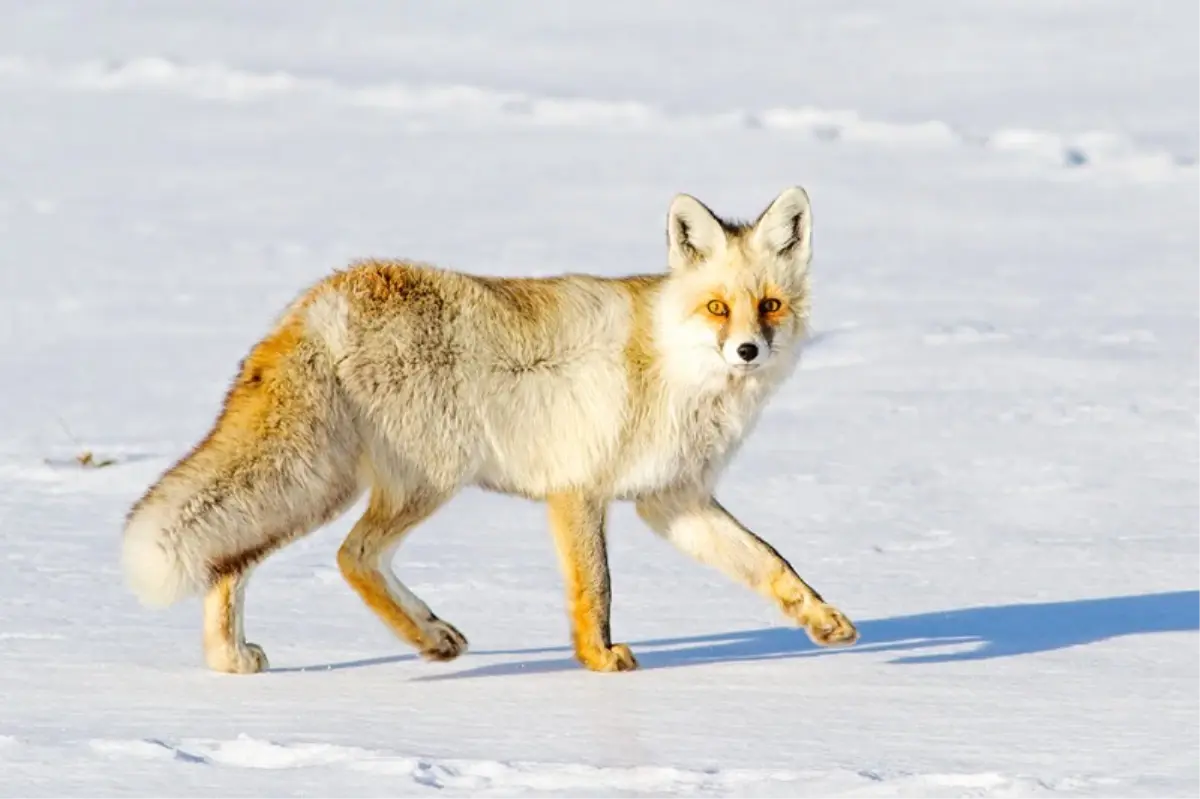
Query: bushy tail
230	503
281	460
159	567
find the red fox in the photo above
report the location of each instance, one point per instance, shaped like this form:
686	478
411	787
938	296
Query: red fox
410	382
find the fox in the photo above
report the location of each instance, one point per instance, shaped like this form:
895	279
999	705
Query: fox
405	382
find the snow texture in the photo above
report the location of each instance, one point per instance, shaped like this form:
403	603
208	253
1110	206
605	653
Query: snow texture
988	458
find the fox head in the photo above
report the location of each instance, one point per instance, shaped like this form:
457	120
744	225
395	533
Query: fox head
736	302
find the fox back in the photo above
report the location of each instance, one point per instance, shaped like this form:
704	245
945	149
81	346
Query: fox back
618	386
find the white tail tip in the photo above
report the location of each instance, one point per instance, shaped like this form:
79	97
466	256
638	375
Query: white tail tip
155	570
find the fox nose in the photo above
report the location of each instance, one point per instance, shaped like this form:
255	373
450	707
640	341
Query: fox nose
747	352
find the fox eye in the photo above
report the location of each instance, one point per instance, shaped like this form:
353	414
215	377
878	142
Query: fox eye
718	308
769	305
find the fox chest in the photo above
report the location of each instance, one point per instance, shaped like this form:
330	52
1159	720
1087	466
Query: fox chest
683	445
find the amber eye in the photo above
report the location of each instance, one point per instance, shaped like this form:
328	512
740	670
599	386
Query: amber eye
718	308
769	305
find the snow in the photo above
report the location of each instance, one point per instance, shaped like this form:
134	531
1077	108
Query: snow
988	458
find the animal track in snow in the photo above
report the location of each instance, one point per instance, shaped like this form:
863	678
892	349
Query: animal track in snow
508	777
461	775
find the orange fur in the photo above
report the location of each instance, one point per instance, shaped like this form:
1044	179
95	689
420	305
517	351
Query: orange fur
412	382
577	524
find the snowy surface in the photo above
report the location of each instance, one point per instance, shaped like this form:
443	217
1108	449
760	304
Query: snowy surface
988	458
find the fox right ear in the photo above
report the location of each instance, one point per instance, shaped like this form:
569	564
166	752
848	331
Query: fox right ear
694	234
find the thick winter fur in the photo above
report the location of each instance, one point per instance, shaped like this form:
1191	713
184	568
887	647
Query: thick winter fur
410	382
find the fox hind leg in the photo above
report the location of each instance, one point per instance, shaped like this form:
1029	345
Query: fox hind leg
365	562
225	646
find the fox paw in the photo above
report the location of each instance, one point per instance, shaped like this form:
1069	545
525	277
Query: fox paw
244	659
442	641
828	626
615	658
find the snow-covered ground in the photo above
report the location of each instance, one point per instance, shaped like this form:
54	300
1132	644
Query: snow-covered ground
988	458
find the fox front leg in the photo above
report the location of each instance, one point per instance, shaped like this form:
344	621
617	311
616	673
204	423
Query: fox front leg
577	524
698	525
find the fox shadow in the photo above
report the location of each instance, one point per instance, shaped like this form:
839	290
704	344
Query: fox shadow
978	633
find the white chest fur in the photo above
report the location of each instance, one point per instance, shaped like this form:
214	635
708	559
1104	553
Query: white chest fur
688	439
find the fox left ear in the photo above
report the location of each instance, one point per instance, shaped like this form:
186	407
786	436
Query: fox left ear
785	228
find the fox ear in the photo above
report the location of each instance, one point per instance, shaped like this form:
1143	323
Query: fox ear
785	228
694	233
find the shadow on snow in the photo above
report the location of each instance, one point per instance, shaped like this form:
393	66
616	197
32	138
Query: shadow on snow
987	632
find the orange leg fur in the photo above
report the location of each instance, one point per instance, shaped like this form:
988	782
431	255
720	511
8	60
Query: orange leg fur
577	524
365	562
225	647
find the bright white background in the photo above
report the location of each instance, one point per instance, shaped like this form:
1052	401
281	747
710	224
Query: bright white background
988	458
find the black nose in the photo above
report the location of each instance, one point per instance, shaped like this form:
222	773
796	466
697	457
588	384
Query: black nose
747	352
